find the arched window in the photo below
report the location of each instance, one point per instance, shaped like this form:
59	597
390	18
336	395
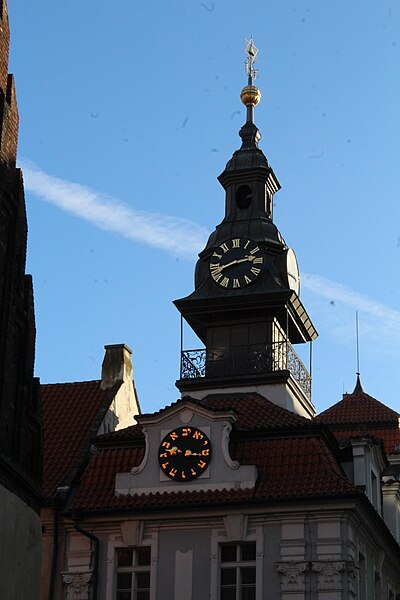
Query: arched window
243	197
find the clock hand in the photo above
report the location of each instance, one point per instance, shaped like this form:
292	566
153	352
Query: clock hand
222	267
248	257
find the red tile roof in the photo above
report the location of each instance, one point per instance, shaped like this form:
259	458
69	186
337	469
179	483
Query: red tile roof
355	408
72	415
255	412
389	436
359	413
300	467
128	433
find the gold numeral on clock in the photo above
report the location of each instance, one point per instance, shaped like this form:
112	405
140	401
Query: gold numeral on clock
236	283
225	282
215	267
197	435
173	472
258	260
202	464
217	276
255	271
247	243
224	247
256	249
217	255
236	243
247	280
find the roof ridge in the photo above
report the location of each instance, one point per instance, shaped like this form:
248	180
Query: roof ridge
70	382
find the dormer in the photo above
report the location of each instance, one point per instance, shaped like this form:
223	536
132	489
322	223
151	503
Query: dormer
369	462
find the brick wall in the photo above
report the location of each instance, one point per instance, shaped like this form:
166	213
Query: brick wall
20	429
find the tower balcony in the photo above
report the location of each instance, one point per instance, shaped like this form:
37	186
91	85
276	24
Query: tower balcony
249	360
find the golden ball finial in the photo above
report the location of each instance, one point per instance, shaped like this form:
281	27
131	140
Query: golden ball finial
250	95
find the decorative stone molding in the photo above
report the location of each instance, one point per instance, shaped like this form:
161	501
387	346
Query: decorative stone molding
331	575
352	578
292	575
235	527
77	584
132	532
379	559
139	468
232	464
186	416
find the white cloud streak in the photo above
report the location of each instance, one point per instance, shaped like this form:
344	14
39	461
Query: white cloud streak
177	236
181	237
379	324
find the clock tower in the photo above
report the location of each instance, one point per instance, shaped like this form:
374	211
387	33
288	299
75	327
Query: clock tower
246	308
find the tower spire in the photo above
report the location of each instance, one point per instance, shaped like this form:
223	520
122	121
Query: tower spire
246	307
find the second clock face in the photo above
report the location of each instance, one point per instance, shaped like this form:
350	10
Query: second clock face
236	263
184	453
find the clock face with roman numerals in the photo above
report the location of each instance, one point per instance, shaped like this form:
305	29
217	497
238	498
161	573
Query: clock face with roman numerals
184	453
236	263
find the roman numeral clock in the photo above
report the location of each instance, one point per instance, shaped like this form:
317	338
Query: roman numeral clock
236	263
246	303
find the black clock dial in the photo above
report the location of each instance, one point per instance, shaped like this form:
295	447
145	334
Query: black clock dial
184	453
236	263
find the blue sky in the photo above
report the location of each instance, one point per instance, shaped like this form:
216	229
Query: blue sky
130	110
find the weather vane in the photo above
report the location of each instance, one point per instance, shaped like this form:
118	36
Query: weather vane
251	52
250	94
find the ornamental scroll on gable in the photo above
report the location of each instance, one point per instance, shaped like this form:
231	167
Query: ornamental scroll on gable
193	443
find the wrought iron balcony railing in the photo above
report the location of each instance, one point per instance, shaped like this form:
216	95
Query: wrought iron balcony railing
245	360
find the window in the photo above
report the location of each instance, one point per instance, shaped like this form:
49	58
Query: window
238	571
133	573
243	197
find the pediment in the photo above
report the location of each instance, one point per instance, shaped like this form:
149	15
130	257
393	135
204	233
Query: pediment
193	419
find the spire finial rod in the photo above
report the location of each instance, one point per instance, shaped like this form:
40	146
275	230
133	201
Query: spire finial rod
358	349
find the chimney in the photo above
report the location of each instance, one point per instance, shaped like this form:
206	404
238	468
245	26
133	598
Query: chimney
117	365
117	368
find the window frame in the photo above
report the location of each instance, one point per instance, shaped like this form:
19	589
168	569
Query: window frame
237	565
219	538
132	569
115	542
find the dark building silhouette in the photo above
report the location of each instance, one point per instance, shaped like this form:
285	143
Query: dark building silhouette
20	426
